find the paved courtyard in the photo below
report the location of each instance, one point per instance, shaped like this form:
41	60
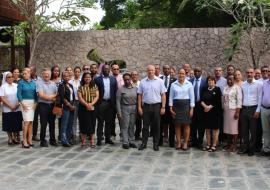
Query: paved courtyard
111	167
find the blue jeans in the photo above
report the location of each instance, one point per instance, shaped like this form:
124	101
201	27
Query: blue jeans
66	125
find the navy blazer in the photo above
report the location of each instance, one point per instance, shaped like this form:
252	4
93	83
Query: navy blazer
168	90
202	86
113	88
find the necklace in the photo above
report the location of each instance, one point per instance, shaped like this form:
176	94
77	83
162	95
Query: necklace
211	88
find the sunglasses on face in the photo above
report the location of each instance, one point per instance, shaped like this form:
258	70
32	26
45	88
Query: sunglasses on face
86	69
116	69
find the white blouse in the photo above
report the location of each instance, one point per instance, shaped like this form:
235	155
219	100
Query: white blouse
9	91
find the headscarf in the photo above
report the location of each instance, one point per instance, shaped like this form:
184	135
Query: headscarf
5	76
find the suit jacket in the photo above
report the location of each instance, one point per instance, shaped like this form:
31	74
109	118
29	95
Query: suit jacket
168	90
202	86
113	88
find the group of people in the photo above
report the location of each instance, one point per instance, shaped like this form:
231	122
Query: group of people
176	107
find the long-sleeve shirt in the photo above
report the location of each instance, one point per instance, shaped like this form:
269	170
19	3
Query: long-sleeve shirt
126	96
221	83
252	94
266	93
183	91
26	90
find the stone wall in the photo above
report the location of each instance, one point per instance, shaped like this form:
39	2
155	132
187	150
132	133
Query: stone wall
202	47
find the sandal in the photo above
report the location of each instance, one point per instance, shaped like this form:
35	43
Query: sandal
184	147
83	145
206	148
212	149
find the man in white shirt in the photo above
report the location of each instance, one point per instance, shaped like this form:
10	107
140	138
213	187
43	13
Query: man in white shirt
136	82
252	94
157	70
221	82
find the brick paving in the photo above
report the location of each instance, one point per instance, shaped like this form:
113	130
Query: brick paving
111	167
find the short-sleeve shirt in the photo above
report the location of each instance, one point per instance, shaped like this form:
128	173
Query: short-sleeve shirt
88	93
48	88
151	90
10	93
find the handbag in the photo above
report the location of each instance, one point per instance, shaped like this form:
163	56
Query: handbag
57	110
58	106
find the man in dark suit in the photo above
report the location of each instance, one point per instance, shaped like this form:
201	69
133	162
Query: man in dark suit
107	86
166	119
197	131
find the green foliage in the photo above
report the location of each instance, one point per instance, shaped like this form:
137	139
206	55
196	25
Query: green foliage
159	14
248	14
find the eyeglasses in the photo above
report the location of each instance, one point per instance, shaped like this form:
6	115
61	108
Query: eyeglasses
116	69
265	70
87	69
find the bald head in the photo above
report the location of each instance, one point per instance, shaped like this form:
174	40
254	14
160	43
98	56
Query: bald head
151	71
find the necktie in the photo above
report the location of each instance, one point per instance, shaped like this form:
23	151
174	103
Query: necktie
196	90
166	81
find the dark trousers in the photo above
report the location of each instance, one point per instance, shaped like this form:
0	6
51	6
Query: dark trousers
197	129
46	117
138	129
35	122
105	111
248	128
113	133
151	119
167	120
259	134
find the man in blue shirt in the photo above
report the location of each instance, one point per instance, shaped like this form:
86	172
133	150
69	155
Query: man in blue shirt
151	104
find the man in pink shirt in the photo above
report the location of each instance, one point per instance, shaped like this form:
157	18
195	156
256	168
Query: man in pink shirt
120	82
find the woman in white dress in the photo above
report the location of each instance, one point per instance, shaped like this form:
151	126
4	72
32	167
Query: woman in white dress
11	113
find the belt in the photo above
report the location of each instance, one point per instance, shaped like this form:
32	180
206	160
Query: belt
145	104
249	107
49	104
128	104
266	107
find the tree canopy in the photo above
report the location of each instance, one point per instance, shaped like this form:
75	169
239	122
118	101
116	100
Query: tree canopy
160	14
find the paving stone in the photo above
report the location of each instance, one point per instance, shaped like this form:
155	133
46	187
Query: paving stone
215	183
111	167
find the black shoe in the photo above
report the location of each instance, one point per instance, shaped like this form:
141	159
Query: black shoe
53	143
44	144
263	153
155	147
138	138
125	146
250	153
99	143
35	138
142	146
242	151
23	146
200	147
109	142
66	145
131	145
160	143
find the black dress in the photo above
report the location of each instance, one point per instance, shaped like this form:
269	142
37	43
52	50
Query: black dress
213	118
